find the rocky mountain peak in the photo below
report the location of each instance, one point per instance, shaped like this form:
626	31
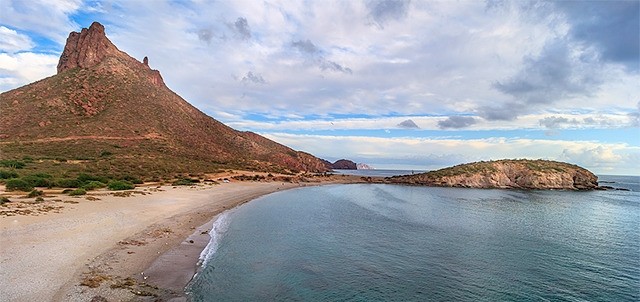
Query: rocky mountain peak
103	101
86	48
91	46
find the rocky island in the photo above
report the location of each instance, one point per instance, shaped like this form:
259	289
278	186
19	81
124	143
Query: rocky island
507	174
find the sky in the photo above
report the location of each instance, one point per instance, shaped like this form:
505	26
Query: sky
402	84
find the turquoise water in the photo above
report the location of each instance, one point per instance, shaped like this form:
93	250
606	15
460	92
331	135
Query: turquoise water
398	243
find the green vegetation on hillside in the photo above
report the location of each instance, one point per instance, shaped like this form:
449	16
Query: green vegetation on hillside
17	184
487	167
78	192
118	185
6	174
464	169
11	163
26	181
185	182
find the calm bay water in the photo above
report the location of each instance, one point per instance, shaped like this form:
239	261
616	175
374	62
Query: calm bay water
398	243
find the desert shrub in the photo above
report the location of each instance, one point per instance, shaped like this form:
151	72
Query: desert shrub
132	179
4	200
65	191
35	193
17	184
6	174
39	199
85	178
12	163
154	179
117	185
39	180
92	185
185	182
42	175
78	192
67	183
243	177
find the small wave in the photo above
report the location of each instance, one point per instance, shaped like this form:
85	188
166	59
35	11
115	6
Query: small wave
218	229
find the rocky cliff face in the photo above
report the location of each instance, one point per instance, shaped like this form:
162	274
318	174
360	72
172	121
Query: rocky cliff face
90	46
86	48
507	174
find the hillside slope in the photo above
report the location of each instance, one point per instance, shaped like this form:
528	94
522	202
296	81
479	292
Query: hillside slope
507	174
106	110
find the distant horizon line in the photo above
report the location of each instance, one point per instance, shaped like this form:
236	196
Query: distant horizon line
425	170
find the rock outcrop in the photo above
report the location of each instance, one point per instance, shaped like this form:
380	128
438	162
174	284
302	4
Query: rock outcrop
344	164
90	46
363	166
507	174
86	48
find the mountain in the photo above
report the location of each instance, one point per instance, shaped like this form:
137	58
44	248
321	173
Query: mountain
507	174
106	111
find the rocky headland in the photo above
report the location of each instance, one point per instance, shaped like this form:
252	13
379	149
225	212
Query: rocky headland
507	174
344	164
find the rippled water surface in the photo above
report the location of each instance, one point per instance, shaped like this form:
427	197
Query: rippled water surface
400	243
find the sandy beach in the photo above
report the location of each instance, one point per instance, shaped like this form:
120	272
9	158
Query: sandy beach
137	248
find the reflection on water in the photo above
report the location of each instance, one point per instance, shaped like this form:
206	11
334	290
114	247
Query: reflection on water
399	243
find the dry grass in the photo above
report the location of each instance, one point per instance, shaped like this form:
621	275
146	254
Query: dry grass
124	283
132	242
94	280
27	208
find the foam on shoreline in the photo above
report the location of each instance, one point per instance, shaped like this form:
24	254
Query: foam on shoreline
217	231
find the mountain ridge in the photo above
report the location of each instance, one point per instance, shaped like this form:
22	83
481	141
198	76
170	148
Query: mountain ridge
102	101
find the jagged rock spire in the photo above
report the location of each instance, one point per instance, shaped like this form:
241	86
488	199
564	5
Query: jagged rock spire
90	46
86	48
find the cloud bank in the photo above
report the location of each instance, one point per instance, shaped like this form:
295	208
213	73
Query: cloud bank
502	67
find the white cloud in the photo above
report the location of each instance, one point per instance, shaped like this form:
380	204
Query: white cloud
48	18
25	67
11	41
527	122
421	58
417	153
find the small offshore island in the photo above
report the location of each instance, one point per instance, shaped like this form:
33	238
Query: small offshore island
507	174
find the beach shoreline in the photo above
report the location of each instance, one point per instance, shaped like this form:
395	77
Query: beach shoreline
138	248
174	269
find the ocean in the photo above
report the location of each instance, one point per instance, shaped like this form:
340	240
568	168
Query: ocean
376	242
